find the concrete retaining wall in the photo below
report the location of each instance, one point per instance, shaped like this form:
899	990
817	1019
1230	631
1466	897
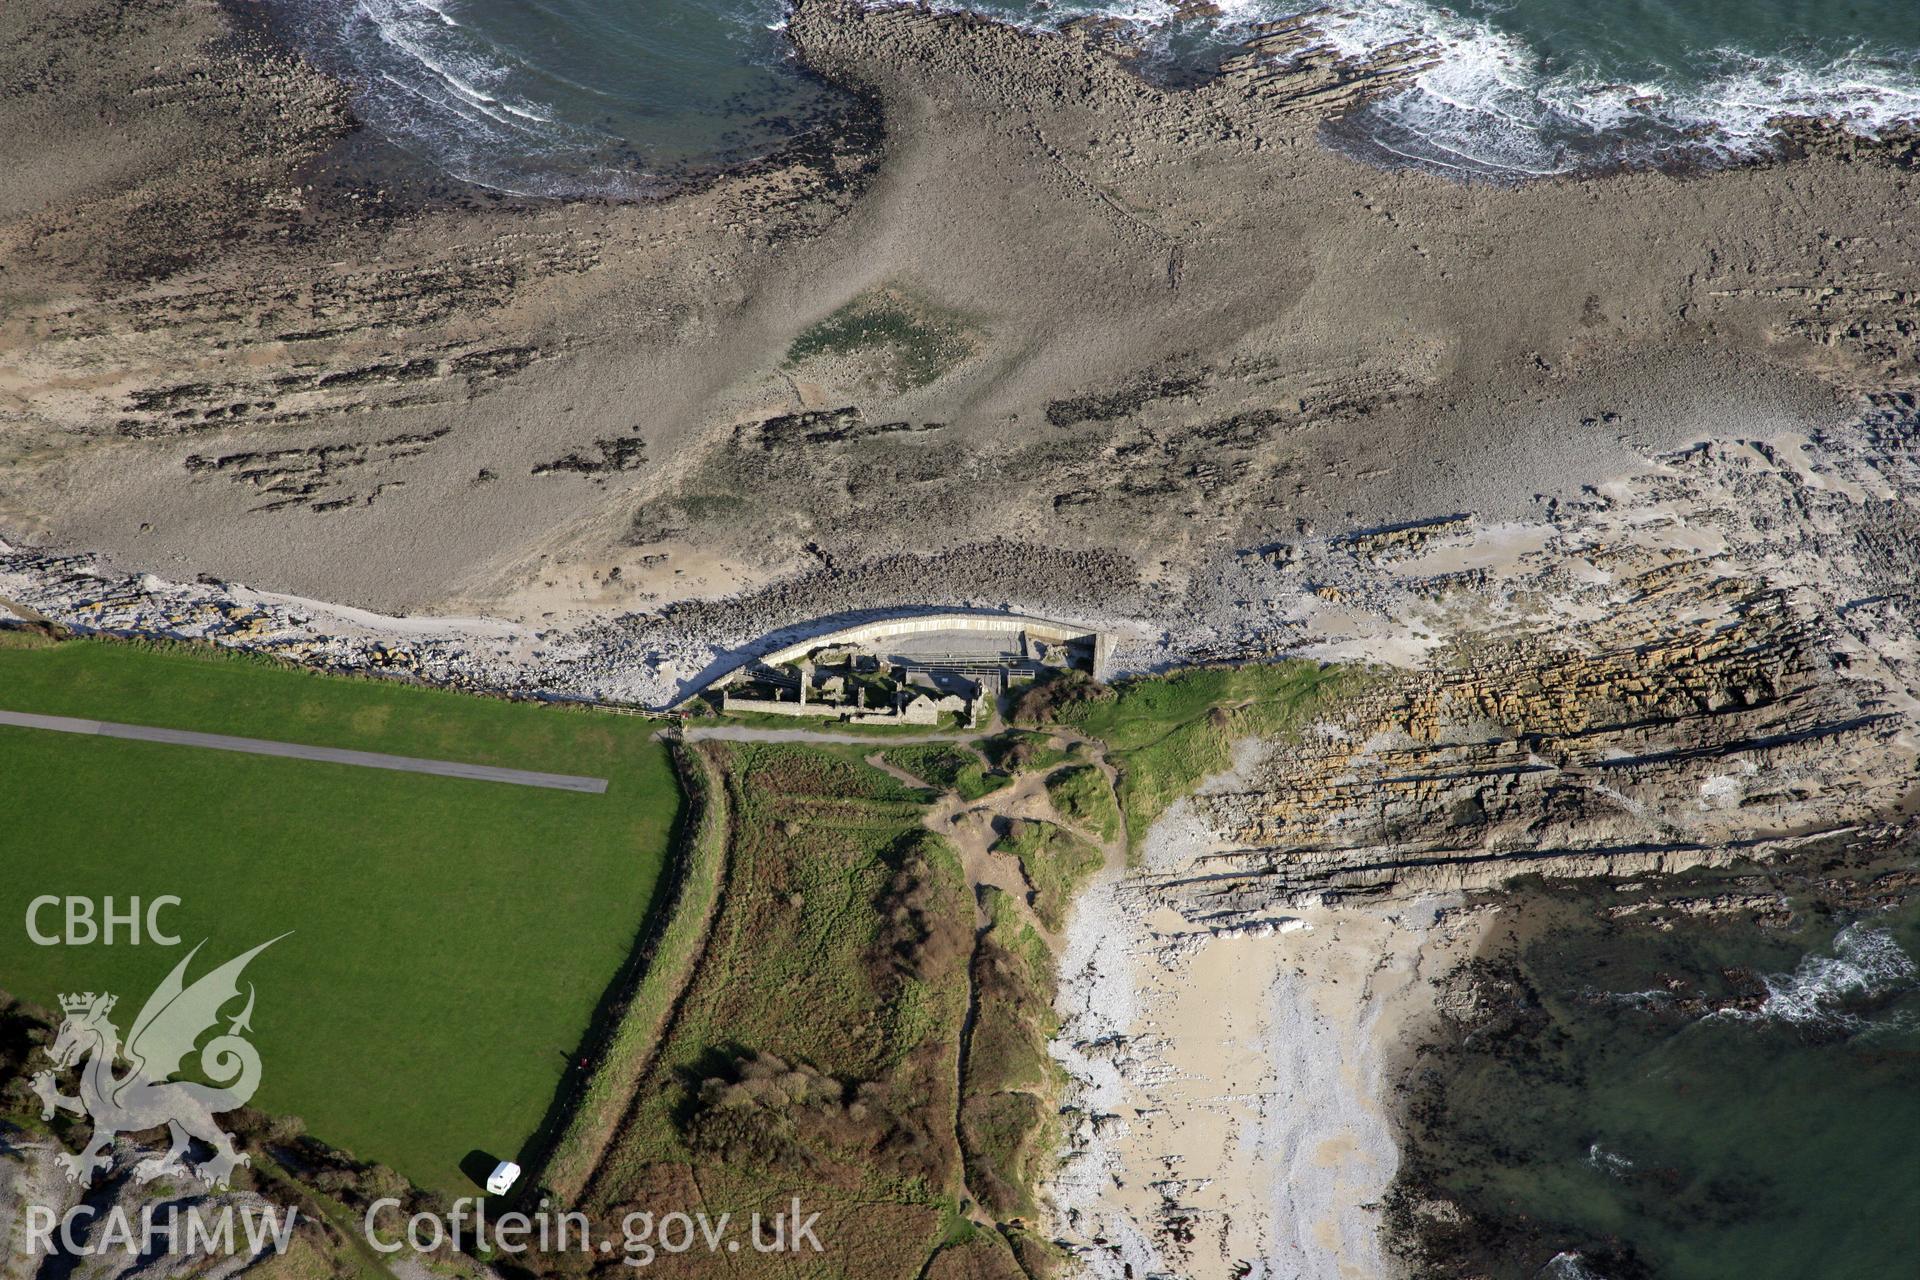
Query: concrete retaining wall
768	707
867	632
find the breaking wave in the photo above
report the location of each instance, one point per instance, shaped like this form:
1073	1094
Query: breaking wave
1567	1265
574	97
443	89
563	98
1866	965
1608	1161
1491	106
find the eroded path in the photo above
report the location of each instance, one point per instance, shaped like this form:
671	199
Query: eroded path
973	827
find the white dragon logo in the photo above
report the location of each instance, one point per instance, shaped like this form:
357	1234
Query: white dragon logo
146	1097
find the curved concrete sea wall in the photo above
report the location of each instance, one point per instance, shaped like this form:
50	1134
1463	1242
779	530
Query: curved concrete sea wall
866	633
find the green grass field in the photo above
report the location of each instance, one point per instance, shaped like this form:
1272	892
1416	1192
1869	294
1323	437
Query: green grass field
451	938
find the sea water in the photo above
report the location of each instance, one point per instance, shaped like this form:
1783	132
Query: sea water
1709	1101
620	97
565	98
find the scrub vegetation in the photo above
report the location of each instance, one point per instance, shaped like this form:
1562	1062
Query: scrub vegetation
949	767
1009	1117
1081	795
816	1050
1055	861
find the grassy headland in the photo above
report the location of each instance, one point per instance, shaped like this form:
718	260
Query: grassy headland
1166	733
450	938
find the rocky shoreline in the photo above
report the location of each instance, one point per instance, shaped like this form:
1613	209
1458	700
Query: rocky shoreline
1167	364
1490	1005
1804	538
1612	483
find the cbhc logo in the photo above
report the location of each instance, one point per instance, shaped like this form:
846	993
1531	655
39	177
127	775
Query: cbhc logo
84	926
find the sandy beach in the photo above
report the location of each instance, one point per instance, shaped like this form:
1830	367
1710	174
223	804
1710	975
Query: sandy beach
1231	1111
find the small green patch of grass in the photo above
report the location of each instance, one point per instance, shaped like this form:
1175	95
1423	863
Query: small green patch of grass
1023	750
1056	863
1082	796
950	767
956	1228
1166	734
921	342
15	637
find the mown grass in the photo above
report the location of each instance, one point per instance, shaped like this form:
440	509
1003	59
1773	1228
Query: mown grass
922	341
949	767
1168	733
451	938
1056	863
1081	795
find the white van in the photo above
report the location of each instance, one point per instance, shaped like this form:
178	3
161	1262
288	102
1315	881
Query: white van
504	1175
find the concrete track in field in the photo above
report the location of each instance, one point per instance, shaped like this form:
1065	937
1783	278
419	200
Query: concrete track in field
298	751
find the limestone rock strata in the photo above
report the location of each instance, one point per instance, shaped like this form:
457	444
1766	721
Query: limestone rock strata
1706	721
1183	321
